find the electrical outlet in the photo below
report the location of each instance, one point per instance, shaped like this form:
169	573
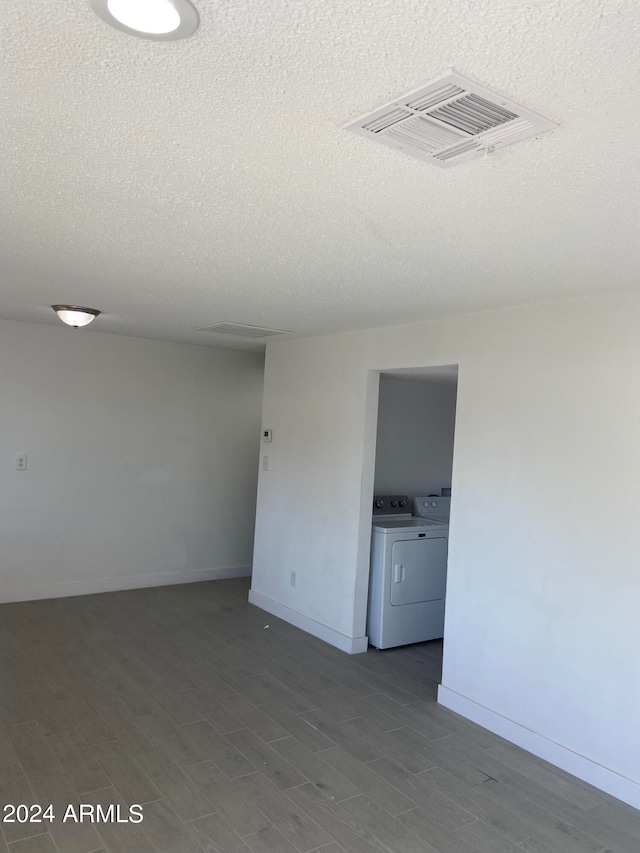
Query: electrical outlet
292	579
21	462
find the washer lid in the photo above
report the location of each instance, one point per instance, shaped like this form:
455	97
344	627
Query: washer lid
394	517
411	525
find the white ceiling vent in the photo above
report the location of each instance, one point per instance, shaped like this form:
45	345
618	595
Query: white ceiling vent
450	121
242	331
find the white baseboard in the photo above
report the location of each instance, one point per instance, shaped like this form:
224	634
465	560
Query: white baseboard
351	645
595	774
88	586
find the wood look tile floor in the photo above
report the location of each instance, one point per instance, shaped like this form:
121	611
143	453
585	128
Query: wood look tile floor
238	733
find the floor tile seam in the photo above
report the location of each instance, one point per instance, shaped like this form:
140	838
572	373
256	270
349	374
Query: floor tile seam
322	711
180	725
101	788
112	740
472	822
309	817
443	794
138	802
390	675
595	805
250	760
415	731
595	834
389	714
330	767
99	708
27	837
193	819
405	704
35	721
582	787
255	708
535	835
322	748
295	806
20	723
338	720
212	724
352	797
277	739
430	740
418	838
249	834
532	798
386	781
474	817
276	691
315	728
296	713
55	843
324	847
399	763
144	773
217	732
26	779
215	809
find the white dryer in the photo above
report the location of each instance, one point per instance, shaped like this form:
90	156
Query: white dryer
408	576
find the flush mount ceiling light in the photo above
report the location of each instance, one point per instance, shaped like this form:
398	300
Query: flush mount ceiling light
74	315
160	20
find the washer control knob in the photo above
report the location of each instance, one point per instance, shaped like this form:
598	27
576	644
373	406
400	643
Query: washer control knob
402	503
394	503
379	504
425	504
434	503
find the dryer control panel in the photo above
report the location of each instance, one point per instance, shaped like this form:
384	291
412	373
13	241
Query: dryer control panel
391	505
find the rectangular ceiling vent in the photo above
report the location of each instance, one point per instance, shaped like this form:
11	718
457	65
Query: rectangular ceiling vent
450	121
242	330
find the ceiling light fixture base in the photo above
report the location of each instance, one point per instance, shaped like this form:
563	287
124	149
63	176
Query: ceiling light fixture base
188	15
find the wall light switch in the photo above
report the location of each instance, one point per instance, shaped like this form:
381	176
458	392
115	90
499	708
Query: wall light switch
265	463
21	462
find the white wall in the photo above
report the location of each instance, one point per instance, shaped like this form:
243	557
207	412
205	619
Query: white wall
414	447
142	461
542	627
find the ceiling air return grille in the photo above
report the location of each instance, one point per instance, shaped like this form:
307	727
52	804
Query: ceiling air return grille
450	121
241	330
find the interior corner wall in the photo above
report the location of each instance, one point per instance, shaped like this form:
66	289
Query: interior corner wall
142	461
414	447
541	624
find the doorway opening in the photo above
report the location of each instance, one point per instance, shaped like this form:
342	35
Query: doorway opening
413	459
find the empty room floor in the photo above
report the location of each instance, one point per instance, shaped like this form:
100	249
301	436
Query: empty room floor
237	732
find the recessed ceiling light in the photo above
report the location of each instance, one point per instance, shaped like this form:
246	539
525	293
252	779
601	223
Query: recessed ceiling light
161	20
74	315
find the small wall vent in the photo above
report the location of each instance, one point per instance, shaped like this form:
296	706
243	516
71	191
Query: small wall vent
450	121
242	330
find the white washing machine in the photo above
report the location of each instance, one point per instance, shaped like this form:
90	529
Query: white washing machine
408	575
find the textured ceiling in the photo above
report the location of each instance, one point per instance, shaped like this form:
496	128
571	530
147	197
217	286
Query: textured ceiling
179	184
